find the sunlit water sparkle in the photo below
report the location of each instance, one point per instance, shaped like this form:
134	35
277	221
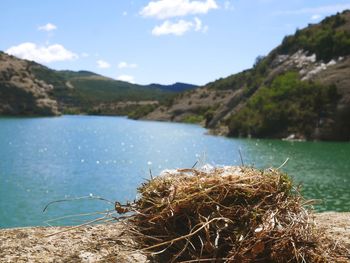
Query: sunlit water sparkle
46	159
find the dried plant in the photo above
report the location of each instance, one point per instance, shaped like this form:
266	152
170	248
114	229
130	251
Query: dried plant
229	214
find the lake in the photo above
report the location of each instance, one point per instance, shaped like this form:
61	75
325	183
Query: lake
48	159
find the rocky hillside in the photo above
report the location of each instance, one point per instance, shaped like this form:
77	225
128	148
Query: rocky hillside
28	88
300	89
21	93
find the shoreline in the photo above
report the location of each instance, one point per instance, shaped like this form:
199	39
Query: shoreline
219	131
107	243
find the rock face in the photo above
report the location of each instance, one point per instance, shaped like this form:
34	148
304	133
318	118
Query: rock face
318	55
20	92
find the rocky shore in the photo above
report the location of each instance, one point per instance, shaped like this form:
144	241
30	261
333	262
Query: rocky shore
106	243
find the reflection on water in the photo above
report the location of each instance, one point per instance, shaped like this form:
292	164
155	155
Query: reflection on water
45	159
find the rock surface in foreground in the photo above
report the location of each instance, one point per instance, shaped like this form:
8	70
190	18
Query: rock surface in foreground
97	243
105	243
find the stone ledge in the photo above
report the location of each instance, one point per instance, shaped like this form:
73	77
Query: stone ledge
105	243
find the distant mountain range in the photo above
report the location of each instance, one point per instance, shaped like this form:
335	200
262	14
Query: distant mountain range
300	90
28	88
176	87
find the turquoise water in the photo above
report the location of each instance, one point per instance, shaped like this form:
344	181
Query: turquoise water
47	159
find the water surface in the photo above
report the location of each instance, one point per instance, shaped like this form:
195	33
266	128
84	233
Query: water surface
46	159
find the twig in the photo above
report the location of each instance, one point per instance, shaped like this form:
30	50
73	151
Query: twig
283	164
77	215
194	164
240	155
78	198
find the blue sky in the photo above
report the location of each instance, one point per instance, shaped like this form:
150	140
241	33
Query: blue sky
159	41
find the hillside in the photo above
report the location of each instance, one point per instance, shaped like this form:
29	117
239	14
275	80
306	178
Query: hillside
300	89
28	88
21	93
88	92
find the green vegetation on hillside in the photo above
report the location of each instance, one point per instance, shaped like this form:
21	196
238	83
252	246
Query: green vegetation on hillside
193	118
87	92
233	82
48	75
288	105
248	80
200	114
140	111
92	90
89	87
329	39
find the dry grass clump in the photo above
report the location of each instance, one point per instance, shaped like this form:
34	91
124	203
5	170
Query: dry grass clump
230	214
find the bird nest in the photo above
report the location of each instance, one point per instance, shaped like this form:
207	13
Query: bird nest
228	214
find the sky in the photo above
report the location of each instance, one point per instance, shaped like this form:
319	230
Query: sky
158	41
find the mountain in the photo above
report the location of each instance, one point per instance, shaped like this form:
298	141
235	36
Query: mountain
28	88
301	89
176	87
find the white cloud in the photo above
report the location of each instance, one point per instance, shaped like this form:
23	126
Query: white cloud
41	54
48	27
179	28
168	27
124	64
103	64
327	9
125	13
126	78
315	17
163	9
